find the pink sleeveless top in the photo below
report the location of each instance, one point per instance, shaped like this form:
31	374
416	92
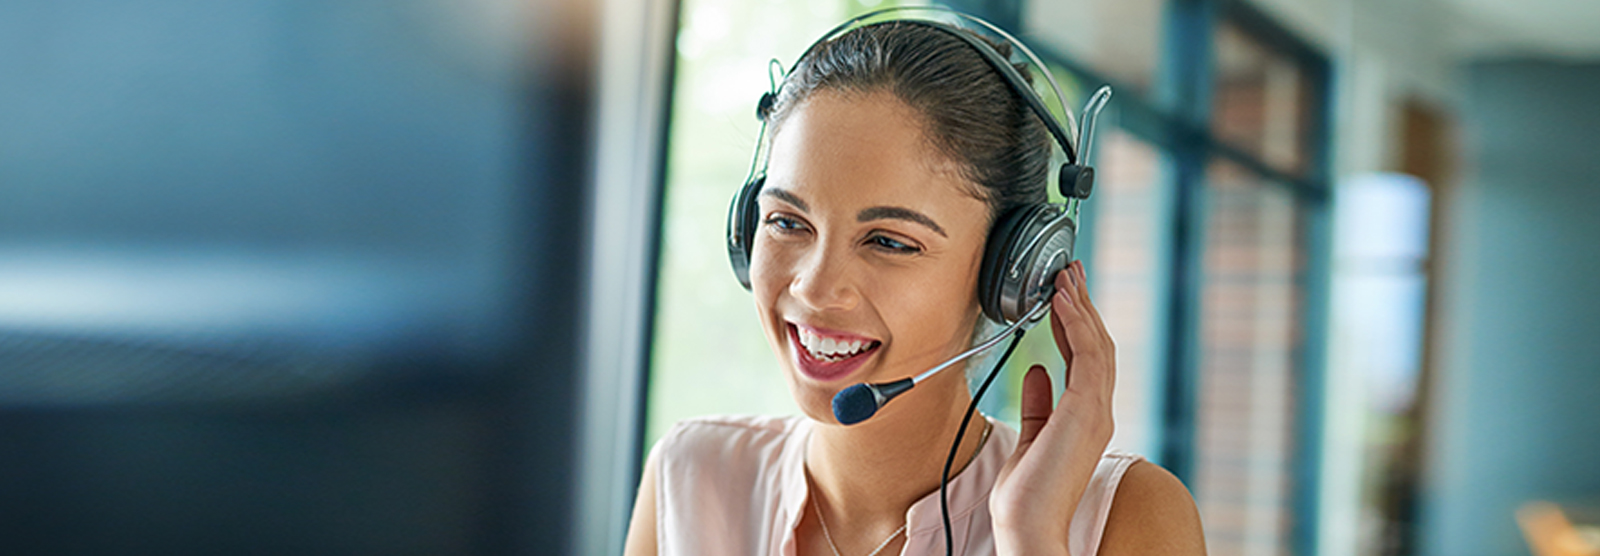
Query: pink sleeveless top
736	485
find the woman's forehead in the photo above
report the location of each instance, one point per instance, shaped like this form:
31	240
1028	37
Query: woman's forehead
862	149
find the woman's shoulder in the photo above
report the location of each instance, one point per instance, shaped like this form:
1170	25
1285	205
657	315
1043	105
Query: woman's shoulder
727	437
1153	514
715	477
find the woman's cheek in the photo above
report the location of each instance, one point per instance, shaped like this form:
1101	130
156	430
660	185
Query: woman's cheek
768	272
942	311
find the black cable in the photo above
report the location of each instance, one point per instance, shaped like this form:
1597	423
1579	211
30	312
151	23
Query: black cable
944	479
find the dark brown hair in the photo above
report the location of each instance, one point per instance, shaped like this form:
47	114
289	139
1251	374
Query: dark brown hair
969	112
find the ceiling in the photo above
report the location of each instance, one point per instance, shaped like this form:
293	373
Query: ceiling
1569	28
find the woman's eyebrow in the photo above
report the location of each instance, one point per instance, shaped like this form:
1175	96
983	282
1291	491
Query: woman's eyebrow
786	197
899	213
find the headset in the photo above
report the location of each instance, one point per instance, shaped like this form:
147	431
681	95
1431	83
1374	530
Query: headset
1028	244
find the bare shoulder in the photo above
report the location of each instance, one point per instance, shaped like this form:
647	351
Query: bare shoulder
1152	513
641	540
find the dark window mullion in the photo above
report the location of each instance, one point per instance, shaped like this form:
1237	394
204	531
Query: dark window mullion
1184	89
1307	189
1316	288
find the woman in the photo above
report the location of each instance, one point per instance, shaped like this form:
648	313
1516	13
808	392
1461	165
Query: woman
892	151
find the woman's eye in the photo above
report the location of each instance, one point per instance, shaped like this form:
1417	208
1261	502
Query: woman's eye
891	244
784	224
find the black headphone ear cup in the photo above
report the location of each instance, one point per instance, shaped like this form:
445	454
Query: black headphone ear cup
1004	239
742	228
1036	242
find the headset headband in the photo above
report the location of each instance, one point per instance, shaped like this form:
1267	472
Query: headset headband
988	53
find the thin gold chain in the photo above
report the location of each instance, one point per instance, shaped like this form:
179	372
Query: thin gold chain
829	536
835	547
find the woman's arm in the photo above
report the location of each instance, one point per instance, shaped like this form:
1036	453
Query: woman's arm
642	528
1152	513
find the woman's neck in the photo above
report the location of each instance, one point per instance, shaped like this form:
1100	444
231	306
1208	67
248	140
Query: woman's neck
872	472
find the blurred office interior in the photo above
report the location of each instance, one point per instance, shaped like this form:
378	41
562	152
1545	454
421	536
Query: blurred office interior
429	276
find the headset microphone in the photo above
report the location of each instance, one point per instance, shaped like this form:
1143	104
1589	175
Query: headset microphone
857	403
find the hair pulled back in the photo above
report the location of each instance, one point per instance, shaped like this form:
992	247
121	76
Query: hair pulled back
970	115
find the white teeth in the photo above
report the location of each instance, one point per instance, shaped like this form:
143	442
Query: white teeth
829	349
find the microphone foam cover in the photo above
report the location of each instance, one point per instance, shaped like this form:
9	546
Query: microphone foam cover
854	404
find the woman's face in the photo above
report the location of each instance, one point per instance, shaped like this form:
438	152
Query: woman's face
867	248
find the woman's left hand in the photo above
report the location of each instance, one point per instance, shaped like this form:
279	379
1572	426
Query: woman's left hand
1039	488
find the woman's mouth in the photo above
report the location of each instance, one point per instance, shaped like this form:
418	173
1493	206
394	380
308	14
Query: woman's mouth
827	355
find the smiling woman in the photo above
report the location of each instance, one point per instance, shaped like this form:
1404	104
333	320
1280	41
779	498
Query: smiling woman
828	261
896	150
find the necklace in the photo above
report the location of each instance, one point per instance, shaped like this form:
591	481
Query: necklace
987	426
829	536
835	547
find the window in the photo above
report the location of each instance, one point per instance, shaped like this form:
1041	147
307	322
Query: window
1261	103
1249	332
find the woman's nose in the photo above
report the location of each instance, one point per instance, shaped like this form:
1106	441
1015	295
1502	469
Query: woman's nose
824	281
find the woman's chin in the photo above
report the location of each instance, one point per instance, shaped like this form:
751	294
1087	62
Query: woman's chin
814	399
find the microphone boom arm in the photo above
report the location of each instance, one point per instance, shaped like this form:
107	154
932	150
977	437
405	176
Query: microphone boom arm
858	403
1026	321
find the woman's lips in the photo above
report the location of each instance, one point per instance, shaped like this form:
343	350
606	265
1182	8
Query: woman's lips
825	371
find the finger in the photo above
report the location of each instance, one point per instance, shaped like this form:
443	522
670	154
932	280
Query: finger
1057	329
1090	357
1079	286
1107	377
1035	403
1065	310
1082	281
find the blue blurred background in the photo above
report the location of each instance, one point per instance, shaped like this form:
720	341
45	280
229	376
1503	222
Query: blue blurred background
276	277
430	276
